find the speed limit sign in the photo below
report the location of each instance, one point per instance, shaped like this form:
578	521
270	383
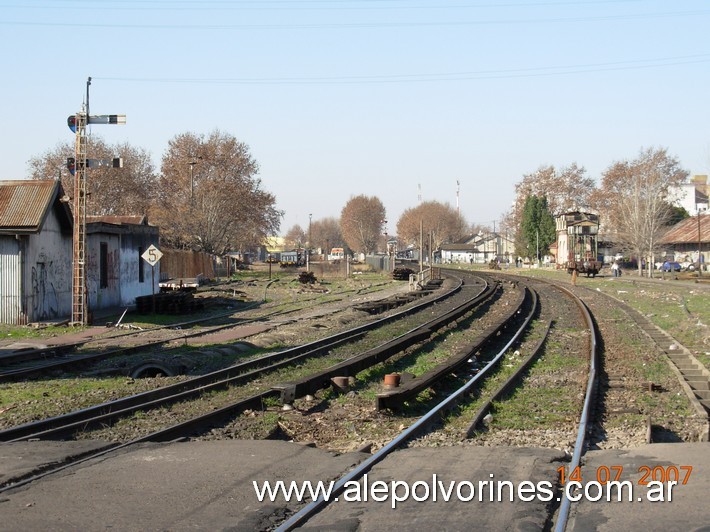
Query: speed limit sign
152	255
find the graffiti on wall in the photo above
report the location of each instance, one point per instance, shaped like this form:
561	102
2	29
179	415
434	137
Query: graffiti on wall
45	303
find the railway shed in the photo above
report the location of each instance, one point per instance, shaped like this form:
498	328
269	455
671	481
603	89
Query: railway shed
35	252
116	272
689	237
36	255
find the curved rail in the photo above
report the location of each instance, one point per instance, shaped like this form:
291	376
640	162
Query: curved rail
580	442
314	507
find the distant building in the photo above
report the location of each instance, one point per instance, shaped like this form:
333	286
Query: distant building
694	194
689	236
479	249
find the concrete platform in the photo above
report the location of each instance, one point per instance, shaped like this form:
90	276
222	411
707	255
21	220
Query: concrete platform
688	509
208	486
18	460
178	486
457	464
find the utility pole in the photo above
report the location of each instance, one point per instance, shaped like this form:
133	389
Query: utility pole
77	166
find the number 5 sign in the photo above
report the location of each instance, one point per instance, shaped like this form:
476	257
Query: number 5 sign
152	255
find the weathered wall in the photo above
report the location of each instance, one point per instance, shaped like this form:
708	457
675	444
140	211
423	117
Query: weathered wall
47	273
109	296
133	244
10	280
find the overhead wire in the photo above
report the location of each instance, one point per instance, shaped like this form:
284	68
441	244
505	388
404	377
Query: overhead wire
444	76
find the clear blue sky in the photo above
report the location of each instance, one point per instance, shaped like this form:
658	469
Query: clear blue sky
338	98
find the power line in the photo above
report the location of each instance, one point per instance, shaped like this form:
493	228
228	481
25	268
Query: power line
359	5
366	25
437	77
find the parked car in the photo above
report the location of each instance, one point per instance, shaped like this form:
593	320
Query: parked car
671	266
688	266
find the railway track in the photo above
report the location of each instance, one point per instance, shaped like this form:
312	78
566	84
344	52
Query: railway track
59	426
434	414
28	363
62	425
531	327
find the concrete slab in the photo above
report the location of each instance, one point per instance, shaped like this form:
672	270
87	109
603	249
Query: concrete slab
21	459
457	464
208	486
177	486
688	508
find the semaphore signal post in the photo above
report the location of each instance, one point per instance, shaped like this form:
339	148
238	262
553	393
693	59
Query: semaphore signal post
78	166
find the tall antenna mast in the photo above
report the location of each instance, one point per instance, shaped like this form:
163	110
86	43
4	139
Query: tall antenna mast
458	209
419	195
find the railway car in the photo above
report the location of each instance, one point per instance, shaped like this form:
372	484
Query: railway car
577	234
292	258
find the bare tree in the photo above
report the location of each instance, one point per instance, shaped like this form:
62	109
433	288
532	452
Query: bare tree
635	196
439	220
326	234
295	237
361	222
209	198
566	189
112	191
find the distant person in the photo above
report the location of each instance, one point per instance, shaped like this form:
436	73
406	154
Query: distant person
615	269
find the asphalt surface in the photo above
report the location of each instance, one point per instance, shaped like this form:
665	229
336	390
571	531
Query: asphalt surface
209	486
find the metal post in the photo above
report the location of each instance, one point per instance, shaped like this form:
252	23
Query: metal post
152	285
700	262
421	246
308	249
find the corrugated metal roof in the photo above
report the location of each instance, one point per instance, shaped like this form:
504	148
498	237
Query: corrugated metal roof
119	220
24	204
686	231
471	248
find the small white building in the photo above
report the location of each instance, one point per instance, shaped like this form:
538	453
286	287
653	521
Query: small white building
116	273
478	249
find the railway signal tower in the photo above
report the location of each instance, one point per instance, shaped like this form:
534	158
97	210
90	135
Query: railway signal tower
77	167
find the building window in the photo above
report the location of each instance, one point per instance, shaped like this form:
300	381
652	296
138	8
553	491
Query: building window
141	262
103	265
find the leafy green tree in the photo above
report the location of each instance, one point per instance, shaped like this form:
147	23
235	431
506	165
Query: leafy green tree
677	214
537	230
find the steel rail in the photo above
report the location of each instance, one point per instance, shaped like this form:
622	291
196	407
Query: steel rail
90	417
353	365
394	398
504	387
579	446
314	507
60	350
180	430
